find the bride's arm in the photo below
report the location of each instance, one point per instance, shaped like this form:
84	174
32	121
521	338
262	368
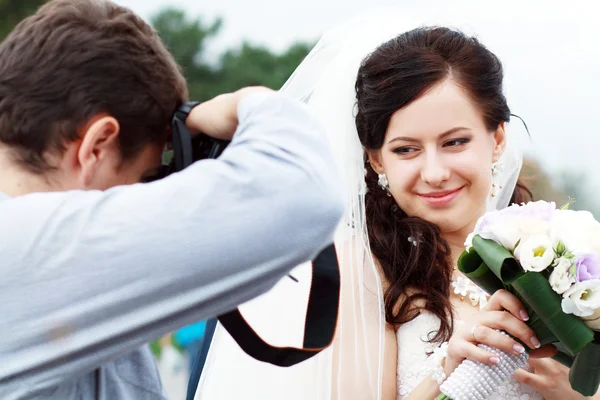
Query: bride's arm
428	389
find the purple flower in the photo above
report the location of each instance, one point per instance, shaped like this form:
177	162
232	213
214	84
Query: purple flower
538	209
588	267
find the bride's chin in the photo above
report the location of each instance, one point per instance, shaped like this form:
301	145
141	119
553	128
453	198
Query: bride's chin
448	221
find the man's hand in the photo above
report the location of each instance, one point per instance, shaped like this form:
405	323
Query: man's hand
218	117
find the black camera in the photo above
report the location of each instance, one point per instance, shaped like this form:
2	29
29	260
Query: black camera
188	149
185	149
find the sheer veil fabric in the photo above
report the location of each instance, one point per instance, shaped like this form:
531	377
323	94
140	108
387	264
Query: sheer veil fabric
353	367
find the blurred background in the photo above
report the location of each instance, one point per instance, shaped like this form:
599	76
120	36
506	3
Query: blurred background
550	51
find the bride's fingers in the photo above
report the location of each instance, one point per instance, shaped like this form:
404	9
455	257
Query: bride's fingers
462	349
511	325
503	300
493	338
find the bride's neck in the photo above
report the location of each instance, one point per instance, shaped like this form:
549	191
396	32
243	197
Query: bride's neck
457	245
456	241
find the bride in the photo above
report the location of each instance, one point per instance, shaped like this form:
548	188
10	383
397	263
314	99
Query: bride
419	123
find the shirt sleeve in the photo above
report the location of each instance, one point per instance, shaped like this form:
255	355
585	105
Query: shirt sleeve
88	275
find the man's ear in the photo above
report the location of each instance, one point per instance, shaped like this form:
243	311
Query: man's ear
375	160
99	146
499	137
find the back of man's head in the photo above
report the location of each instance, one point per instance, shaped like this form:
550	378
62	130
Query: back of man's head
73	60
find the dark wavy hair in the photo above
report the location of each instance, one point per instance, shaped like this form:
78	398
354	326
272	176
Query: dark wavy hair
397	73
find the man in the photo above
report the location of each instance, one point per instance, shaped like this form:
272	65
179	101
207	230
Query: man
94	264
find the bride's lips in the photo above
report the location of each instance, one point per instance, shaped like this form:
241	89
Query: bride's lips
441	198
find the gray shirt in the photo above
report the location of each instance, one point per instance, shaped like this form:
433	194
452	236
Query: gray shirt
87	277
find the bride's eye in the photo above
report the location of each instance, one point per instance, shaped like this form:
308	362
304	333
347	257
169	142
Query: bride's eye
457	142
405	150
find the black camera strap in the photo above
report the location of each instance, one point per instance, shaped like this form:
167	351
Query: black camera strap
319	327
321	318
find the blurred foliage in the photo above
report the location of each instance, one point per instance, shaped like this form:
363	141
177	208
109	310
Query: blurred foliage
187	40
246	65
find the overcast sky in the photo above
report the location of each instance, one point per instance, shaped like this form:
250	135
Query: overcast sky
550	51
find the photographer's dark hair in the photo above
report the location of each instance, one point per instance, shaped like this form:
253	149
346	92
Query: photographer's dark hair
74	59
393	76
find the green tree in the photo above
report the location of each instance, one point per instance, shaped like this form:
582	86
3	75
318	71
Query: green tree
13	11
255	65
243	66
187	40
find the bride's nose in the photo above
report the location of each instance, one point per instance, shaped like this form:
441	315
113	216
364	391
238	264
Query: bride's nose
434	171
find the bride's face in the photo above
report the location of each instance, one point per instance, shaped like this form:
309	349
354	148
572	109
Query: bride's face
438	155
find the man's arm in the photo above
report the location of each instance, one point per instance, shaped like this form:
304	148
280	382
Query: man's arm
88	276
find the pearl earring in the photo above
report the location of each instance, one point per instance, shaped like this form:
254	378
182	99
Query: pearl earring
496	169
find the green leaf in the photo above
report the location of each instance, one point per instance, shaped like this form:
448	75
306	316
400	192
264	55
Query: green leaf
564	358
560	248
472	266
585	371
542	331
533	288
499	260
568	203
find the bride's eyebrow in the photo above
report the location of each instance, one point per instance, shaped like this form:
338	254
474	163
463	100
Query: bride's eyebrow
441	136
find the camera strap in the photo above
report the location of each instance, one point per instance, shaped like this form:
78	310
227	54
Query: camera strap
321	318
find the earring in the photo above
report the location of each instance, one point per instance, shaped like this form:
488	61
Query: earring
496	169
383	183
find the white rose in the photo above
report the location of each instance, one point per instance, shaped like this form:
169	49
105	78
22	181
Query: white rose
536	253
577	230
561	277
582	299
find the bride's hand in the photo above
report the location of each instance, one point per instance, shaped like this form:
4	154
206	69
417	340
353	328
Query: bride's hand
503	312
551	379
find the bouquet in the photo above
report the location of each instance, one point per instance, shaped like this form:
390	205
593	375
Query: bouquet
550	259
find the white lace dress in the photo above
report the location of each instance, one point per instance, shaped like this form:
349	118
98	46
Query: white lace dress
414	351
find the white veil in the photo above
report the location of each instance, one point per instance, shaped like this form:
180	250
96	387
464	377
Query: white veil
353	367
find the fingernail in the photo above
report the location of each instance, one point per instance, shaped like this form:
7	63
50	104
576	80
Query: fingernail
535	342
524	315
494	360
518	349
